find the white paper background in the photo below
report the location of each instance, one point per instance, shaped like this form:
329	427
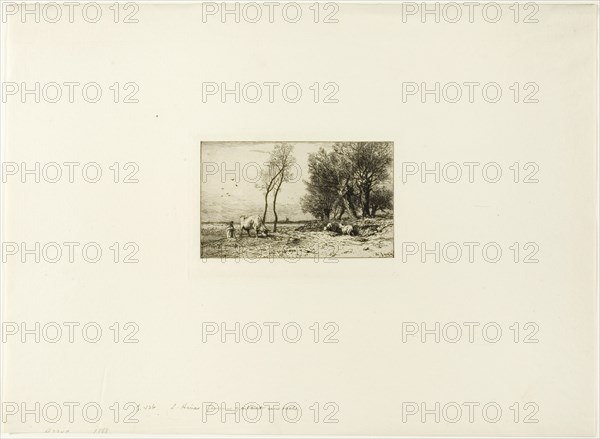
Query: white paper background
370	372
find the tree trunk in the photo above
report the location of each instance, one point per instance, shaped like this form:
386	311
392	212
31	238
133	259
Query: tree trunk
274	213
349	198
366	203
340	213
264	217
349	206
275	202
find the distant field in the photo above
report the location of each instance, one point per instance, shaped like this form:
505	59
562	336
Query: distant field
300	239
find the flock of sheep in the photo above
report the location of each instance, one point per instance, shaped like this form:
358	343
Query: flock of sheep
341	229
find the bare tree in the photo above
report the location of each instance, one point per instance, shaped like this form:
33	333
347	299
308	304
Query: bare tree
266	184
283	161
279	170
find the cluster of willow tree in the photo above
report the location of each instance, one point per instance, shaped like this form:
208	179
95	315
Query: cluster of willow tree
351	178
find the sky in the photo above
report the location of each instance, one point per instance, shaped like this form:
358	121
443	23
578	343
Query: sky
229	173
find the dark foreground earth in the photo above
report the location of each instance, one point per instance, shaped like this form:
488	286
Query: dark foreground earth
300	240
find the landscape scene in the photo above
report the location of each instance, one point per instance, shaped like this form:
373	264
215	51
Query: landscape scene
296	200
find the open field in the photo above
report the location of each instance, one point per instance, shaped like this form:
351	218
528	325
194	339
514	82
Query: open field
301	240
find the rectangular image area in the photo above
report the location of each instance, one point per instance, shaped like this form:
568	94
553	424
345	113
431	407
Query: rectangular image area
294	200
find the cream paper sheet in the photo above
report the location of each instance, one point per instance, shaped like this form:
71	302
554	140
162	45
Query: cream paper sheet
482	321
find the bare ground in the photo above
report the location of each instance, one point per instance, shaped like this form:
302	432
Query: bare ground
301	240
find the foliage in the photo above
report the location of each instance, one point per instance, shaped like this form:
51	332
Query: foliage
352	176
